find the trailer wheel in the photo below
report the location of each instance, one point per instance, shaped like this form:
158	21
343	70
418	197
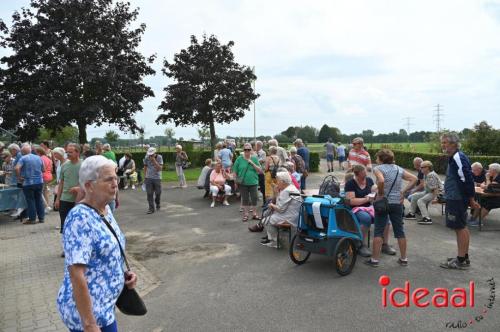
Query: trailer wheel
345	256
297	255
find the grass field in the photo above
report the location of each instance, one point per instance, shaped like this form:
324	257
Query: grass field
413	147
191	174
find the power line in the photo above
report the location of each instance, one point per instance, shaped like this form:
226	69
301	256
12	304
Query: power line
438	117
408	124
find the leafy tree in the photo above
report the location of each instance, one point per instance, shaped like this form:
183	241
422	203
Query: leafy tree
111	137
210	86
72	62
483	139
282	138
203	134
327	132
169	133
367	134
308	134
291	133
60	136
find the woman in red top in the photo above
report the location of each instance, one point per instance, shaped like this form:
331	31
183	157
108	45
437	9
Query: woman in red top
46	175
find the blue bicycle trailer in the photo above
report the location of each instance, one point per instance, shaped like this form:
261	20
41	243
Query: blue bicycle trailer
328	227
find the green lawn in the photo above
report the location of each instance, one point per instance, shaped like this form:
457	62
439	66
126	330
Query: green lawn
191	174
414	147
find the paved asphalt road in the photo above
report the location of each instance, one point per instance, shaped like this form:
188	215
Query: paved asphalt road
215	276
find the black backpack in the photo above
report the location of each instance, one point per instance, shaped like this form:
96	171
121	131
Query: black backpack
330	186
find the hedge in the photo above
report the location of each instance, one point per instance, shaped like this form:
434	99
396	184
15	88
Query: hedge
439	161
197	159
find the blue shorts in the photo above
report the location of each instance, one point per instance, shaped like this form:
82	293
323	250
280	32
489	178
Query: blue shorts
396	217
329	157
456	214
341	159
110	328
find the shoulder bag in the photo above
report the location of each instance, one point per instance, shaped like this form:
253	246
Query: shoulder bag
239	179
129	302
381	206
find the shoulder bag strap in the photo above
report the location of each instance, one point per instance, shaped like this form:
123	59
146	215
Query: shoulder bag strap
394	182
113	232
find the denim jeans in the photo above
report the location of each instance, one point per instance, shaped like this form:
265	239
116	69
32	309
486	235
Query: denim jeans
396	217
34	201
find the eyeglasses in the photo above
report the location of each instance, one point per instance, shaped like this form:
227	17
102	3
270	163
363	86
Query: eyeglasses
247	149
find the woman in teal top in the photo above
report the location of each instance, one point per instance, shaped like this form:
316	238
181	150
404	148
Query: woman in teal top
247	168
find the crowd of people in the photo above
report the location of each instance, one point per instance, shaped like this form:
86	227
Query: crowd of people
86	193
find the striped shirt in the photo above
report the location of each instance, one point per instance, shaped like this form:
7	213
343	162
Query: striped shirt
361	157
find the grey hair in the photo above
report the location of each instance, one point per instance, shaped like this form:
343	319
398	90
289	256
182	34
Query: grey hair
218	145
299	142
273	142
14	146
418	159
91	167
258	143
59	151
106	147
359	140
273	150
289	165
75	146
247	146
476	164
178	146
26	147
495	167
452	138
284	176
293	149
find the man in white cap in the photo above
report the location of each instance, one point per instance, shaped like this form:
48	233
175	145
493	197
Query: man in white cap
153	164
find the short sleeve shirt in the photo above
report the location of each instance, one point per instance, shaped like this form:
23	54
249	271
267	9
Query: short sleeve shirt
217	178
243	168
329	148
361	157
352	186
225	156
69	174
151	172
31	169
390	171
341	151
88	241
432	182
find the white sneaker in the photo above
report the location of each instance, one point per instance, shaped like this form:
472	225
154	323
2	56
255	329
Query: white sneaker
17	213
125	188
47	210
272	244
133	187
225	203
212	205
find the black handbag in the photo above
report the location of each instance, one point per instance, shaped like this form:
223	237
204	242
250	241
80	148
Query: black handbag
129	302
381	206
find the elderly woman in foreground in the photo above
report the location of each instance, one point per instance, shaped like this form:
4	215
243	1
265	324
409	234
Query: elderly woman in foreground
286	209
94	273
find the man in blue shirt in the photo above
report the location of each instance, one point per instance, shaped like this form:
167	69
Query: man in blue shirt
459	194
29	169
304	153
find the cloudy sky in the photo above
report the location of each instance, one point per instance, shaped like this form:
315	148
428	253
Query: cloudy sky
351	64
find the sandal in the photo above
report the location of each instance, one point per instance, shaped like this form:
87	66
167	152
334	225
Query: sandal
256	217
245	219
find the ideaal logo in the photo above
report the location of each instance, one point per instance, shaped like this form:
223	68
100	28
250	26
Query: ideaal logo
439	298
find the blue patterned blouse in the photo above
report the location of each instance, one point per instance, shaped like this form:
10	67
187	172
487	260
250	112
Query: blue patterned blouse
88	241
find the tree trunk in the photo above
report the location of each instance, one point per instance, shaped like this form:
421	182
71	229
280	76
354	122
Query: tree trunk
82	131
212	133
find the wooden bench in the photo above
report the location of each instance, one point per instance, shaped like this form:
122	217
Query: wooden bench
283	227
